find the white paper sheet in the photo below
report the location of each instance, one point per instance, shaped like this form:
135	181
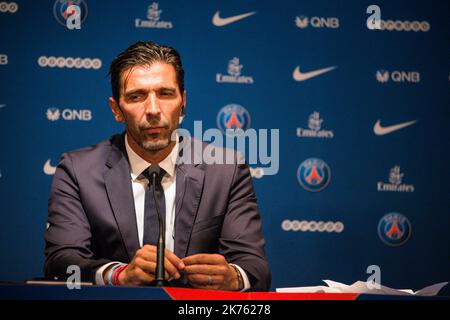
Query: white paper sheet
363	287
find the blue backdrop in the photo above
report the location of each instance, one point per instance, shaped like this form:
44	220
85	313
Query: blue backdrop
368	107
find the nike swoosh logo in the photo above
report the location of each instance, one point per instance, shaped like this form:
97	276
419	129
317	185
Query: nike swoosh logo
2	106
48	168
220	22
299	76
381	131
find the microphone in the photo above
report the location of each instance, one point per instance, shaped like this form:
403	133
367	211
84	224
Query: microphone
159	281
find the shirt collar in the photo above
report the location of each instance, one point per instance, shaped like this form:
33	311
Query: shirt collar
138	165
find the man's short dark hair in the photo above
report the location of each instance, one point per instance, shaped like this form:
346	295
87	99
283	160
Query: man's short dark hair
144	53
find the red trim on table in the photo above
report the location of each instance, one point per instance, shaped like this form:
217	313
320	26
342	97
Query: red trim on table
196	294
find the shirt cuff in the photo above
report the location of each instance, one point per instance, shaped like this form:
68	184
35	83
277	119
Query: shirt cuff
244	277
99	273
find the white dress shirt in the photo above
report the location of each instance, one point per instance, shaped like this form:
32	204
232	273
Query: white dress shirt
139	184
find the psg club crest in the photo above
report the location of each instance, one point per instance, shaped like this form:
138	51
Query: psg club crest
314	174
233	119
394	229
61	12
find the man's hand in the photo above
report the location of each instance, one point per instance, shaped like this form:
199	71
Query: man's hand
141	270
210	271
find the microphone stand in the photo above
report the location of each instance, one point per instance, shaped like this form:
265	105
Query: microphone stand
160	270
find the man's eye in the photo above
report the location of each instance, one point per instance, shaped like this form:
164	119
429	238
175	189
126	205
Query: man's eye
134	97
166	93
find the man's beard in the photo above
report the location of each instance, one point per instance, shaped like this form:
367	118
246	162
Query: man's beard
161	140
153	146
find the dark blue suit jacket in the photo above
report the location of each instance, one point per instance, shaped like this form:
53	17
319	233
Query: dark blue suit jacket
92	219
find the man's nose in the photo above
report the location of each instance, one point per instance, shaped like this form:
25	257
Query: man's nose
152	105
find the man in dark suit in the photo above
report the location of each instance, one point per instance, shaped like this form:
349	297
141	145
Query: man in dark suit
100	216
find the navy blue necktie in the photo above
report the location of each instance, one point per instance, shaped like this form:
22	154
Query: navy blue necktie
151	224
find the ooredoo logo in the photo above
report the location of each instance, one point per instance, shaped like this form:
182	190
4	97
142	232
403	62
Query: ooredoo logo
69	62
397	25
312	226
8	7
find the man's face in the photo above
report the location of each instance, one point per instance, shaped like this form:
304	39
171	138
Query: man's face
150	105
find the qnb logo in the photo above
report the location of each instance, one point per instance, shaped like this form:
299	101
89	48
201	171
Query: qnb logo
257	173
314	174
70	13
395	182
62	62
8	7
394	229
3	59
234	74
304	22
314	131
154	19
54	114
397	25
312	226
384	76
233	119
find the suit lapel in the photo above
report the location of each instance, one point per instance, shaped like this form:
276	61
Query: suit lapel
190	178
120	194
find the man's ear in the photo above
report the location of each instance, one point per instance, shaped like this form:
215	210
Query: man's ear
115	109
183	108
